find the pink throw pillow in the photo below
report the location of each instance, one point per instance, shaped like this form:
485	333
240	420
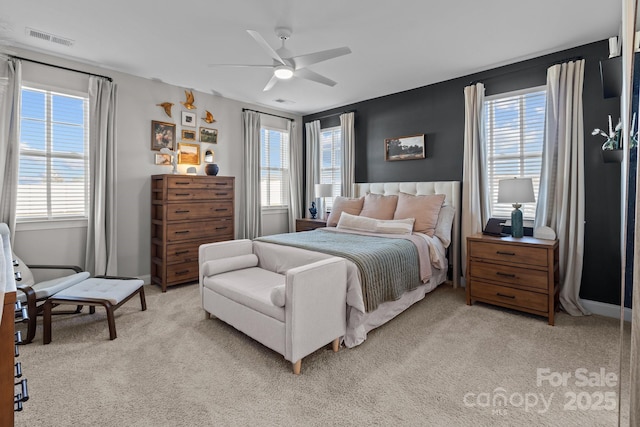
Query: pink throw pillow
378	206
344	204
424	209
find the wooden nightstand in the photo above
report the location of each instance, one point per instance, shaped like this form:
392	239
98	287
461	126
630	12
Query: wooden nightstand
522	274
306	224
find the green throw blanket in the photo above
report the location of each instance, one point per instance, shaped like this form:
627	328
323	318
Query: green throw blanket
388	267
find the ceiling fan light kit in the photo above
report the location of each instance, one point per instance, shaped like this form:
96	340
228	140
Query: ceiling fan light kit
285	65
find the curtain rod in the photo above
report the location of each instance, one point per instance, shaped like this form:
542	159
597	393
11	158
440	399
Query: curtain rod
332	115
505	73
62	68
268	114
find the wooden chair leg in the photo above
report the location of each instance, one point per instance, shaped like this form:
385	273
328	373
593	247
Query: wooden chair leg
46	320
336	345
143	301
111	320
297	367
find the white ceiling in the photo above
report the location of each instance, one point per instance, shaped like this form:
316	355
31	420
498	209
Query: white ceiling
397	45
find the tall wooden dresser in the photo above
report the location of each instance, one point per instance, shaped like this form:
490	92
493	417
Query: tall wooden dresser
186	212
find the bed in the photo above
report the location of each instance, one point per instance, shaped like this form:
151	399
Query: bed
281	256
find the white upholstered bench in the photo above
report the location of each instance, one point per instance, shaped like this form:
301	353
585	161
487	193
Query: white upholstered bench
108	292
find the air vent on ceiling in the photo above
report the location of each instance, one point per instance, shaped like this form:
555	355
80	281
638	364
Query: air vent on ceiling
283	101
52	38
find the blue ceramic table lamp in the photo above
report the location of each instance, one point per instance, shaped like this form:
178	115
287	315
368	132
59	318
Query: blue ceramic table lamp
516	191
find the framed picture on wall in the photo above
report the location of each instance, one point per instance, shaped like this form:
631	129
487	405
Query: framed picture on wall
404	148
189	135
163	159
209	135
188	154
188	119
163	135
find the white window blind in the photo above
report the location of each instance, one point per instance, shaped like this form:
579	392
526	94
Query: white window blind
53	178
274	167
514	133
331	161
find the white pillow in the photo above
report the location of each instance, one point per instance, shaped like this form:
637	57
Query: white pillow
223	265
444	224
371	225
278	296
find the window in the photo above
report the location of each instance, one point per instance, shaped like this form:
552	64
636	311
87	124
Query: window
53	178
331	161
274	167
514	133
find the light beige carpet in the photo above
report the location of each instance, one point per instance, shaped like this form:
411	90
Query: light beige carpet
441	363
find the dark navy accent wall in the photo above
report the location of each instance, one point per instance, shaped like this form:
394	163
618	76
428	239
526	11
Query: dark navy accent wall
437	111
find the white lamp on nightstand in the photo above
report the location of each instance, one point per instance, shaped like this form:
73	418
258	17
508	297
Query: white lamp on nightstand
516	191
322	191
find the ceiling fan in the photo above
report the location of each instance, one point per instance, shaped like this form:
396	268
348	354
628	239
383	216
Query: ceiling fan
285	65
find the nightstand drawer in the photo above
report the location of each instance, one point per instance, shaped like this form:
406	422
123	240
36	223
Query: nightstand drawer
509	253
506	296
516	276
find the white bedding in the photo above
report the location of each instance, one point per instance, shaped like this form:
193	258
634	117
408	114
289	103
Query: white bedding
280	258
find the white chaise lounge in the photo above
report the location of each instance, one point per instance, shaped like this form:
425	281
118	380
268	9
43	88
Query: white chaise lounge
294	313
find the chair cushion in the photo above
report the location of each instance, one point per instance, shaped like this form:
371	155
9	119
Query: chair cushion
51	287
112	290
250	287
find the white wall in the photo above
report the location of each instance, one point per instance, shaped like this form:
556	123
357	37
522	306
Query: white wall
137	99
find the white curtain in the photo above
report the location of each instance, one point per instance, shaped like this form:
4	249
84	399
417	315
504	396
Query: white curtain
295	178
475	198
313	162
10	93
251	213
347	128
561	195
101	257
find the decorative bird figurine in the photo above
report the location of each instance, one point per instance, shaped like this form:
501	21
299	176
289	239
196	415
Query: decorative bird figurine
167	107
209	117
189	102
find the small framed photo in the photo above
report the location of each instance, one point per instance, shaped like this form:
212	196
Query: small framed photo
188	154
188	119
163	135
163	159
404	148
209	135
189	135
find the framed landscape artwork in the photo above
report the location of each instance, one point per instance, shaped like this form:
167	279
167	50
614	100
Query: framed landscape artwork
189	135
163	135
209	135
188	154
404	148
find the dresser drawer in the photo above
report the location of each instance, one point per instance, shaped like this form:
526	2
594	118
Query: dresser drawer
189	194
195	182
528	255
184	272
222	227
504	295
202	210
516	276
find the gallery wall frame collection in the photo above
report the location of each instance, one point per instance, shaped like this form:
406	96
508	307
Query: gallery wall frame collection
164	134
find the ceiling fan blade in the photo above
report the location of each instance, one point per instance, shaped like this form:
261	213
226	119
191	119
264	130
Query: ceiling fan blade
313	76
271	83
265	46
241	65
313	58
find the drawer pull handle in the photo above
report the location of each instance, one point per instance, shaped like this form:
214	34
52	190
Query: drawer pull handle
183	211
181	252
182	183
221	183
183	194
221	194
499	273
505	253
221	228
221	209
180	273
506	296
182	232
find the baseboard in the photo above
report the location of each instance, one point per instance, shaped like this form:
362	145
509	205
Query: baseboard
146	278
605	309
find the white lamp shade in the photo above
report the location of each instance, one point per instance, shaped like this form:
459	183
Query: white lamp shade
515	190
324	190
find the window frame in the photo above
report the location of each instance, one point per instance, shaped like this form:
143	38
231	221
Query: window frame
271	209
56	221
522	156
337	187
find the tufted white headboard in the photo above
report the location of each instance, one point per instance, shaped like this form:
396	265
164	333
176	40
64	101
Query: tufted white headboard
451	189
